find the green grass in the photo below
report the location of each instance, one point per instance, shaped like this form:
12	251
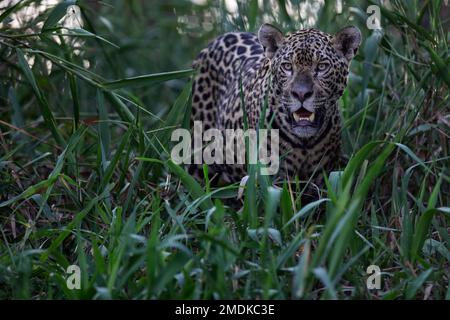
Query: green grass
85	176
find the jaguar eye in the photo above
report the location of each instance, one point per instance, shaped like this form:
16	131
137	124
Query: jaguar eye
287	66
322	67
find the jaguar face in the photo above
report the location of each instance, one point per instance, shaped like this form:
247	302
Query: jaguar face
309	74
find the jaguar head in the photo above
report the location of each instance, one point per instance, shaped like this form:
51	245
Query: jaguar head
309	70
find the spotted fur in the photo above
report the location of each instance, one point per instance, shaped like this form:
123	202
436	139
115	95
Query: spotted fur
306	69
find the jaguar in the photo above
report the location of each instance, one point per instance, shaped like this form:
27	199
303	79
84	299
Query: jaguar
293	81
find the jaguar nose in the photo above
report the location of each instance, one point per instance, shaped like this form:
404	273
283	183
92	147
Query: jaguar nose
302	92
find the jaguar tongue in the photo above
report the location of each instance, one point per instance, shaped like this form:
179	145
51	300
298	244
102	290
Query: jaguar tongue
303	115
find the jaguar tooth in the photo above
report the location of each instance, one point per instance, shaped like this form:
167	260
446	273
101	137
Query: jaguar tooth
298	118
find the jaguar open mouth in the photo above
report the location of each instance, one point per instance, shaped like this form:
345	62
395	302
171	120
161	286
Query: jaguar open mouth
303	117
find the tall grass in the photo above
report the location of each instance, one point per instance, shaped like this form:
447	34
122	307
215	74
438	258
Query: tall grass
85	176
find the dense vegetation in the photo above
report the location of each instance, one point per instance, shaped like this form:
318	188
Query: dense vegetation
89	96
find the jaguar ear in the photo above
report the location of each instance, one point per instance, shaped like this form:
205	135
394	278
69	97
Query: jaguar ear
347	42
271	39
